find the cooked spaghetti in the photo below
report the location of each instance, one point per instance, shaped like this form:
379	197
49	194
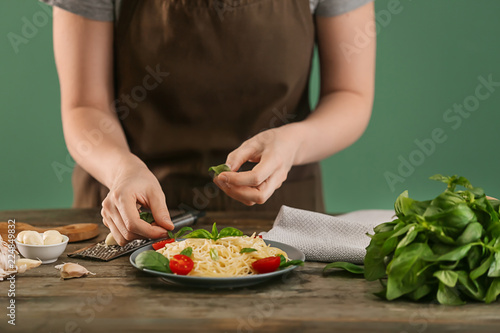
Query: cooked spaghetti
227	260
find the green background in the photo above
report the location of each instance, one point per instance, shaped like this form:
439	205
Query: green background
429	57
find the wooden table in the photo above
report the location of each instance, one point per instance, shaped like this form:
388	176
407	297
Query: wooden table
119	298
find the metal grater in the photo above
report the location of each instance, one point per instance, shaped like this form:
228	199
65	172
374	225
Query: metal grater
102	252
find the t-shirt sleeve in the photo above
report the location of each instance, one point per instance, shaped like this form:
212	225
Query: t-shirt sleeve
337	7
98	10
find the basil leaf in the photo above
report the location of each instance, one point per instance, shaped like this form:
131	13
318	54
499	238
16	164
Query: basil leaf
215	232
152	260
387	226
474	257
493	291
482	269
448	296
420	292
188	251
471	288
217	170
200	233
494	270
409	238
147	216
284	263
447	200
170	234
374	261
402	271
447	277
347	266
230	232
456	254
214	254
182	231
291	263
472	233
247	250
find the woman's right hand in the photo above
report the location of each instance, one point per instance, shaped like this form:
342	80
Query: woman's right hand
94	136
135	184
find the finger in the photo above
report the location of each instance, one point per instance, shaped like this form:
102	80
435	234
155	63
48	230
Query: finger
160	211
256	195
242	194
115	232
271	185
254	177
119	223
132	222
240	155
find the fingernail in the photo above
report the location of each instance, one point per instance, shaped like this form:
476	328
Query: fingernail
224	182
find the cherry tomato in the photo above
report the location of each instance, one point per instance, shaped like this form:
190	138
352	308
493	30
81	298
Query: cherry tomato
181	264
161	244
266	265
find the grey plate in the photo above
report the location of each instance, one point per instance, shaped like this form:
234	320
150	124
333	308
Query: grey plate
226	282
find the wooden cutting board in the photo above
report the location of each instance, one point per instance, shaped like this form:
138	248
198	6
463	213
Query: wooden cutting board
75	232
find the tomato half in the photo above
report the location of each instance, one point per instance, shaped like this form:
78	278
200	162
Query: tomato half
181	264
266	265
161	244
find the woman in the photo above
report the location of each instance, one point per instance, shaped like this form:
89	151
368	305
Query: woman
155	92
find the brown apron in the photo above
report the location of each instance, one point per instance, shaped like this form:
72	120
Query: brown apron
196	78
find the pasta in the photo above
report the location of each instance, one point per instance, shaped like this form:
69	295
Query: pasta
229	262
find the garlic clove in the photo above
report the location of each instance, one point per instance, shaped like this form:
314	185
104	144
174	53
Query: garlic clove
110	240
52	237
71	270
30	237
25	264
20	236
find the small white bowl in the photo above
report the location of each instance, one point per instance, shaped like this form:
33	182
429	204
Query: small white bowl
46	253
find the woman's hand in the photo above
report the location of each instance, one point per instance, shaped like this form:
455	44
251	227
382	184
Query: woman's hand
135	184
274	150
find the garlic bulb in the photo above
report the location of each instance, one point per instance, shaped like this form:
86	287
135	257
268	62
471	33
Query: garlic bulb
110	240
30	237
22	265
5	266
52	237
71	270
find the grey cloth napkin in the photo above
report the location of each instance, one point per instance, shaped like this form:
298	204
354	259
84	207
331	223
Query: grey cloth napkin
324	237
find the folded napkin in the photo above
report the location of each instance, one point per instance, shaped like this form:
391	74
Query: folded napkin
324	237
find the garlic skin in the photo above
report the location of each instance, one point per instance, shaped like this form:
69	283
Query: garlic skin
52	237
71	270
30	237
110	240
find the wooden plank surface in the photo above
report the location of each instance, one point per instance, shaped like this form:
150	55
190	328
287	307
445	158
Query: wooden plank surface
121	298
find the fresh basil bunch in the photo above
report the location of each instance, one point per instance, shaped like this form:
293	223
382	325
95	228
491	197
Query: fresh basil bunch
447	248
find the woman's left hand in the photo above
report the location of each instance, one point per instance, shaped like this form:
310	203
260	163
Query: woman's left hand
274	151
